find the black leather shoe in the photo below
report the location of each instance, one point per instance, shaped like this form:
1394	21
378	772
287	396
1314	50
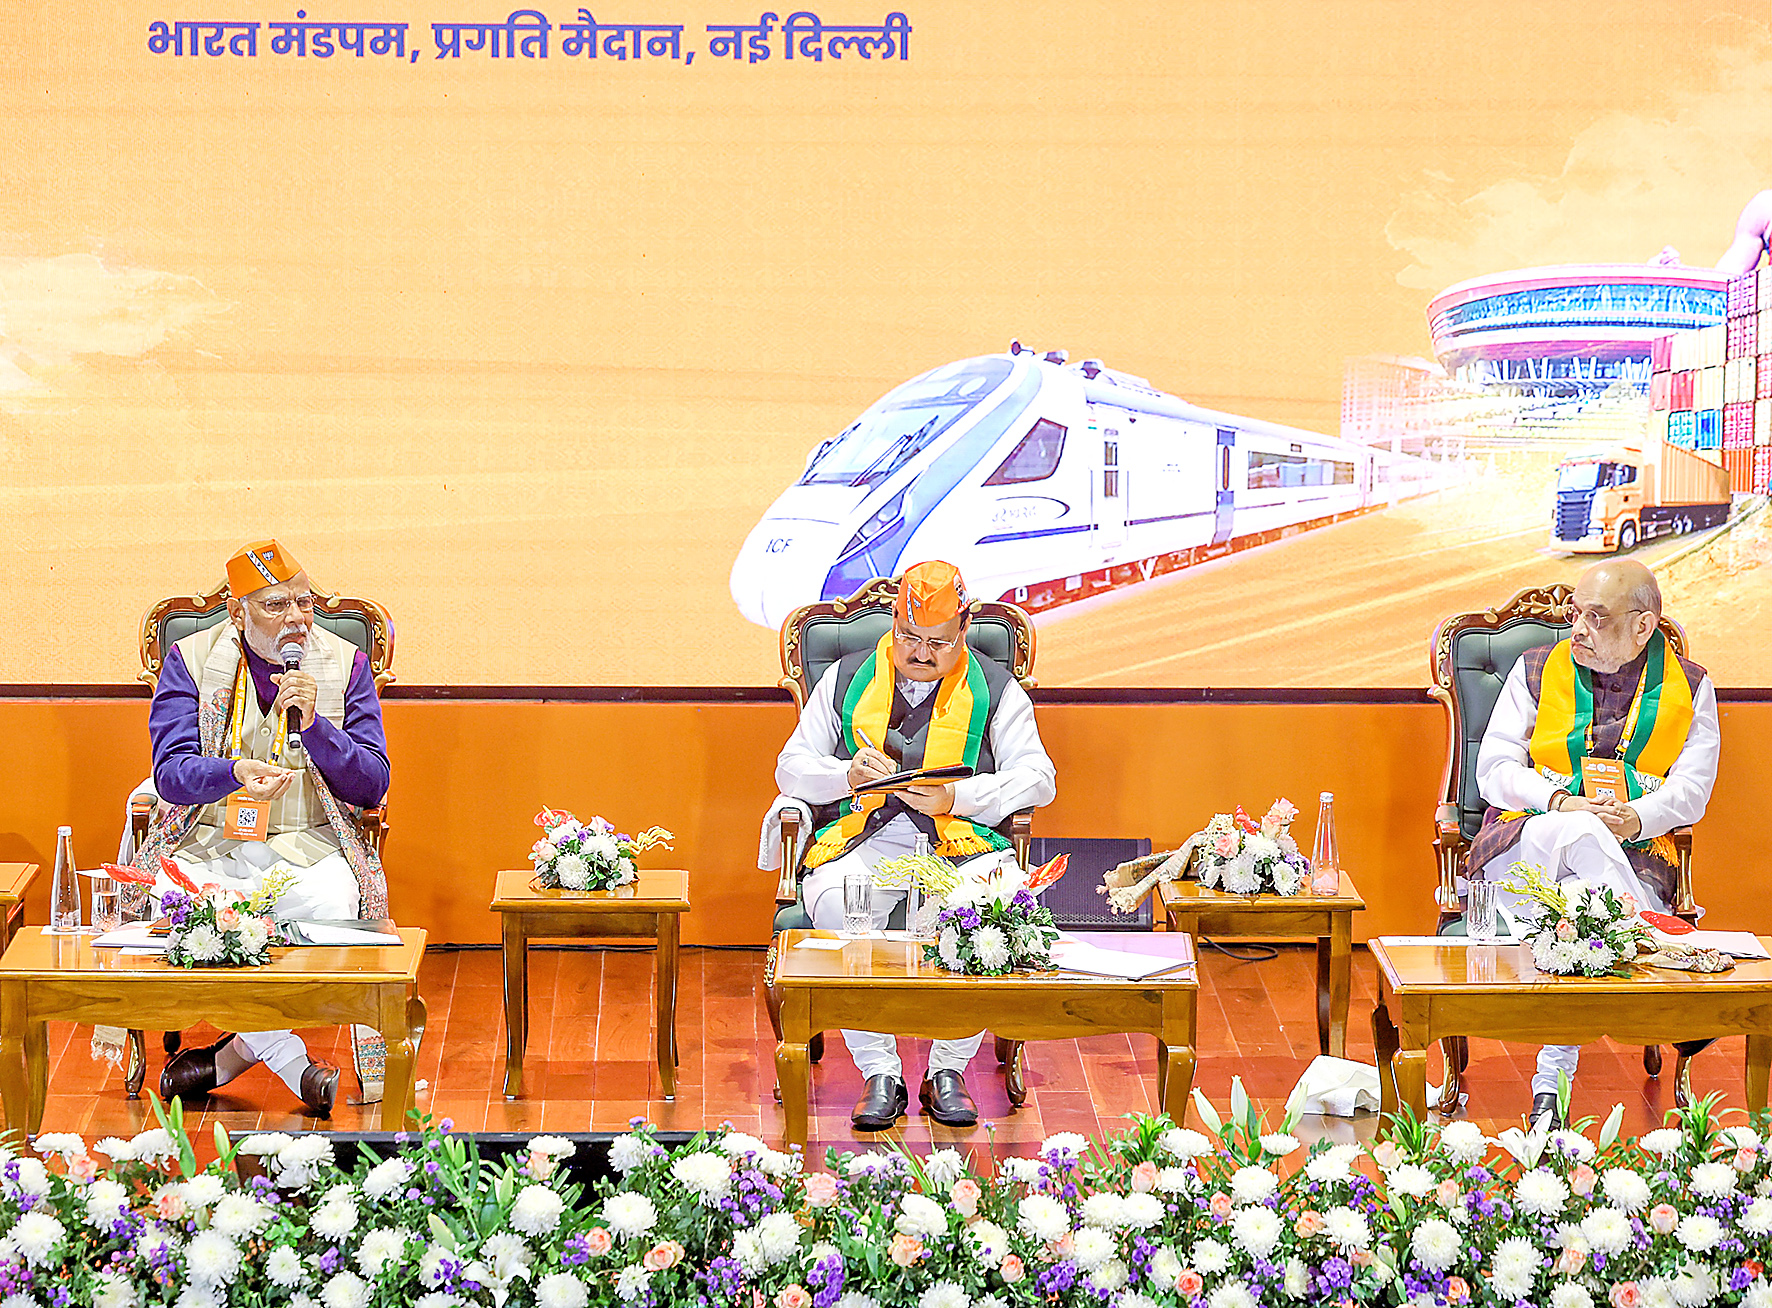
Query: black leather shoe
945	1099
319	1087
191	1074
1692	1048
883	1101
1541	1105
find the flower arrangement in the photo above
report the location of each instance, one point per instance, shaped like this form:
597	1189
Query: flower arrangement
1233	1216
217	927
1584	931
588	856
1253	858
992	925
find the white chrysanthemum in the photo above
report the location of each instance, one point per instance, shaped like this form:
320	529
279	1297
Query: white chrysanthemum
1664	1141
31	1177
436	1299
1256	1229
1742	1137
334	1220
345	1290
1091	1246
631	1283
991	1240
1043	1217
381	1248
991	947
1699	1232
626	1152
35	1235
103	1202
1232	1294
1330	1167
1065	1142
63	1144
775	1163
1463	1142
1606	1231
1176	1180
1570	1295
1211	1256
1139	1212
1756	1218
299	1164
1106	1277
1104	1209
118	1151
1572	1144
1295	1278
1694	1286
554	1146
1436	1244
856	1299
747	1247
204	1189
872	1162
1017	1168
284	1267
1164	1269
110	1290
430	1265
779	1235
1517	1257
386	1177
1278	1144
708	1175
1186	1144
153	1146
1625	1188
573	872
1712	1180
629	1215
1348	1228
1411	1179
1759	1294
947	945
920	1215
736	1144
239	1215
561	1290
943	1294
1250	1185
1541	1193
537	1210
258	1143
192	1296
944	1166
211	1258
1131	1299
253	934
204	943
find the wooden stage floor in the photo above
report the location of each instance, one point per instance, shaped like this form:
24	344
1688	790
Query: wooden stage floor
589	1065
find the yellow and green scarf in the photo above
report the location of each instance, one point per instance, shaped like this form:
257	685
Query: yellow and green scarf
955	733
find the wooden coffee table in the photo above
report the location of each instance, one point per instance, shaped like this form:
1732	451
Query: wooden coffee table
1426	992
15	879
651	908
1220	915
883	985
46	978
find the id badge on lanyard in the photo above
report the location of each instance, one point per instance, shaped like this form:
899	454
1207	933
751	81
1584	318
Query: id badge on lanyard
247	818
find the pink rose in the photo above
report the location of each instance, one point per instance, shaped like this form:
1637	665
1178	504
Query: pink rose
1011	1268
540	1166
905	1249
1361	1257
1447	1193
1457	1289
1190	1283
668	1254
1570	1261
1386	1155
82	1169
598	1241
1582	1178
1664	1217
1061	1247
1221	1205
1144	1177
170	1206
1625	1295
1630	904
1745	1160
1309	1223
1565	929
1225	845
228	919
793	1296
965	1195
821	1189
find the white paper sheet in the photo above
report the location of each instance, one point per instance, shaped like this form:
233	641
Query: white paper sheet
1076	956
134	936
1736	944
316	934
819	942
1451	942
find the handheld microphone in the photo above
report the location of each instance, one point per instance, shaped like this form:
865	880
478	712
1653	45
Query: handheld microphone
291	656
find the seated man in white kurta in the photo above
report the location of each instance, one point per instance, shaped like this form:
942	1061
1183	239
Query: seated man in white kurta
219	726
1613	690
919	699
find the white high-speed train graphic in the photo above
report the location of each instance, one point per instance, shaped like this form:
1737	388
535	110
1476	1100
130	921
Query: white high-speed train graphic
1047	482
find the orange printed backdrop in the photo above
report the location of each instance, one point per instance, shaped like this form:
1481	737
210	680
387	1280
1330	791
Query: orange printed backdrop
525	347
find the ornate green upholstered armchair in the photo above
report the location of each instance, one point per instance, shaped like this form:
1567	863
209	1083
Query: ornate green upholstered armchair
813	639
363	622
1470	655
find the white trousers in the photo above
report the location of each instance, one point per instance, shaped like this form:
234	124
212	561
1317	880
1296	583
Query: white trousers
328	889
876	1053
1570	847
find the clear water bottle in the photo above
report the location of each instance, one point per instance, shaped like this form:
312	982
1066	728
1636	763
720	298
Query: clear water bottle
913	897
64	891
1325	854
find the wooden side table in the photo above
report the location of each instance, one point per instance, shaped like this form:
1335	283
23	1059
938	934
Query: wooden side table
1426	992
45	978
651	907
15	880
884	985
1220	915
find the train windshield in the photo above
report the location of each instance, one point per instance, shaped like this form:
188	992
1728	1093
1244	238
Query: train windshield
904	423
1579	476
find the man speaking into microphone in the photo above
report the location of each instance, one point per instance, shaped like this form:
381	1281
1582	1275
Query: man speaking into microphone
264	729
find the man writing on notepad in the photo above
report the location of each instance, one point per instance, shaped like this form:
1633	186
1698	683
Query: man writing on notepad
919	699
1597	749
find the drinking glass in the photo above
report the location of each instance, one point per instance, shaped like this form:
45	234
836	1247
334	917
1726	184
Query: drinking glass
1479	911
858	903
107	903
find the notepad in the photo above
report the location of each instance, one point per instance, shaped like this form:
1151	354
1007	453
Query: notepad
914	777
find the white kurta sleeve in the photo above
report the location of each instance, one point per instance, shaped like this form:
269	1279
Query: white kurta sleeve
1024	778
808	767
1505	775
1683	796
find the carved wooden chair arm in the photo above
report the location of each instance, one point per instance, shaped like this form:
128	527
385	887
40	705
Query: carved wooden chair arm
1021	835
1449	847
1685	906
787	890
141	817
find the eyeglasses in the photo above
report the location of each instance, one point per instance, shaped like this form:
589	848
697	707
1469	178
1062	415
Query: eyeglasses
911	642
278	605
1579	616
